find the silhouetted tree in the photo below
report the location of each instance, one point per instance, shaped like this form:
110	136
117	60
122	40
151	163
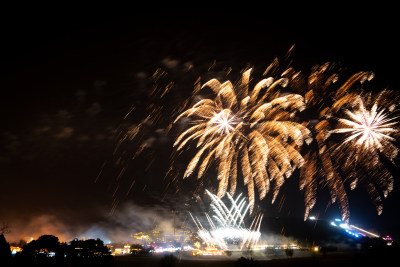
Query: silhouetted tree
4	228
91	252
45	244
5	251
20	243
42	251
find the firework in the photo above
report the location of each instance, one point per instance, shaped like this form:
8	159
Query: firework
368	129
368	133
331	162
227	227
252	131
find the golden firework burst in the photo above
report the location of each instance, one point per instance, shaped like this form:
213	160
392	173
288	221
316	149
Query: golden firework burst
367	135
369	129
364	133
253	131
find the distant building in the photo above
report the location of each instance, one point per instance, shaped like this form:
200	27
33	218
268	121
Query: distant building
158	237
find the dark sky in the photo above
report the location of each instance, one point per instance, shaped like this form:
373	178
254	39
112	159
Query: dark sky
69	74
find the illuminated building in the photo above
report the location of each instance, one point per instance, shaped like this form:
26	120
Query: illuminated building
159	237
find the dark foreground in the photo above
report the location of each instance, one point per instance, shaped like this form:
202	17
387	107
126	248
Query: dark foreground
336	259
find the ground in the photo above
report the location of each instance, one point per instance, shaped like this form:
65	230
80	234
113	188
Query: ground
332	259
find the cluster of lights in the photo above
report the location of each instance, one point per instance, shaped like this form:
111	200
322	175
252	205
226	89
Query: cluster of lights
353	230
15	250
345	226
208	252
122	251
350	229
388	240
50	254
352	233
172	249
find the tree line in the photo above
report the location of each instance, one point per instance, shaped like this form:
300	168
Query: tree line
47	249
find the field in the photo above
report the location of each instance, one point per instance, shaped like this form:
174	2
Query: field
334	259
371	257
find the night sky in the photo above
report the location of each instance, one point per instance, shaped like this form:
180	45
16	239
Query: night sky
70	74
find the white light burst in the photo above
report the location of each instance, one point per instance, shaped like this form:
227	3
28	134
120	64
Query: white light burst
368	128
370	133
223	121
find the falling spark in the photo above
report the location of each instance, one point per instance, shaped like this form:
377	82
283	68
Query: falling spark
142	135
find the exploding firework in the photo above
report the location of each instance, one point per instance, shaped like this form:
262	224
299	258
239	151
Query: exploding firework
255	133
369	130
368	133
324	96
227	227
255	129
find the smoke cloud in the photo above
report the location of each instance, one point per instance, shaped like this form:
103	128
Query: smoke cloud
117	227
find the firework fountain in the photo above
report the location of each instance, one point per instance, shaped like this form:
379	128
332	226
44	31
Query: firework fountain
227	226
